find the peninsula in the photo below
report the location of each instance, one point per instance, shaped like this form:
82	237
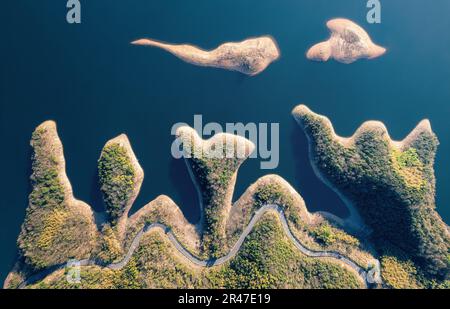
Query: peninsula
348	43
249	57
391	184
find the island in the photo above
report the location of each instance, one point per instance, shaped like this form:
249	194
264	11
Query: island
348	43
267	238
250	57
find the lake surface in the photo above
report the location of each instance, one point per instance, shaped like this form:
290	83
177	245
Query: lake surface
96	85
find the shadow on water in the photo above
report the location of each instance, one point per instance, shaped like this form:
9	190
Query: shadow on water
182	183
186	199
9	258
241	78
308	184
28	170
95	197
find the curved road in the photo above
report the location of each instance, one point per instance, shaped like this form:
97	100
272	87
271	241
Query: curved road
369	277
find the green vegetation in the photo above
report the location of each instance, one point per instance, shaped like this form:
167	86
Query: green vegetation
318	235
329	235
13	280
407	165
110	247
116	175
53	223
273	193
93	277
214	175
52	231
267	259
162	268
393	189
47	189
399	271
128	277
399	274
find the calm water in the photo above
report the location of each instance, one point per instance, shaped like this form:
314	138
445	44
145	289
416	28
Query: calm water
96	86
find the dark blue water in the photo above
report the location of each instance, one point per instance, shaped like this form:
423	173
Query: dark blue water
96	86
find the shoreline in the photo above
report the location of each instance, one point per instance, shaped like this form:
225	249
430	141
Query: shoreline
58	150
354	220
347	43
123	141
250	56
77	207
363	274
247	226
205	145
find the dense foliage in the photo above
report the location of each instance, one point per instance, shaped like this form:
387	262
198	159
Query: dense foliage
116	175
214	176
110	248
273	193
393	189
94	277
267	259
52	232
329	235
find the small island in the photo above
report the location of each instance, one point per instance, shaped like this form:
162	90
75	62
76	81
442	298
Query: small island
348	43
249	57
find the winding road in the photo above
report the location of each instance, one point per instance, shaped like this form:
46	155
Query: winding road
369	277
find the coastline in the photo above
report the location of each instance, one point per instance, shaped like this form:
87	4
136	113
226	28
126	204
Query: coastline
123	141
361	273
131	221
196	142
354	220
348	42
250	56
75	207
58	151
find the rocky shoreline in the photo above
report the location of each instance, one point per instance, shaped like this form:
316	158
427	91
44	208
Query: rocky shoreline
250	57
